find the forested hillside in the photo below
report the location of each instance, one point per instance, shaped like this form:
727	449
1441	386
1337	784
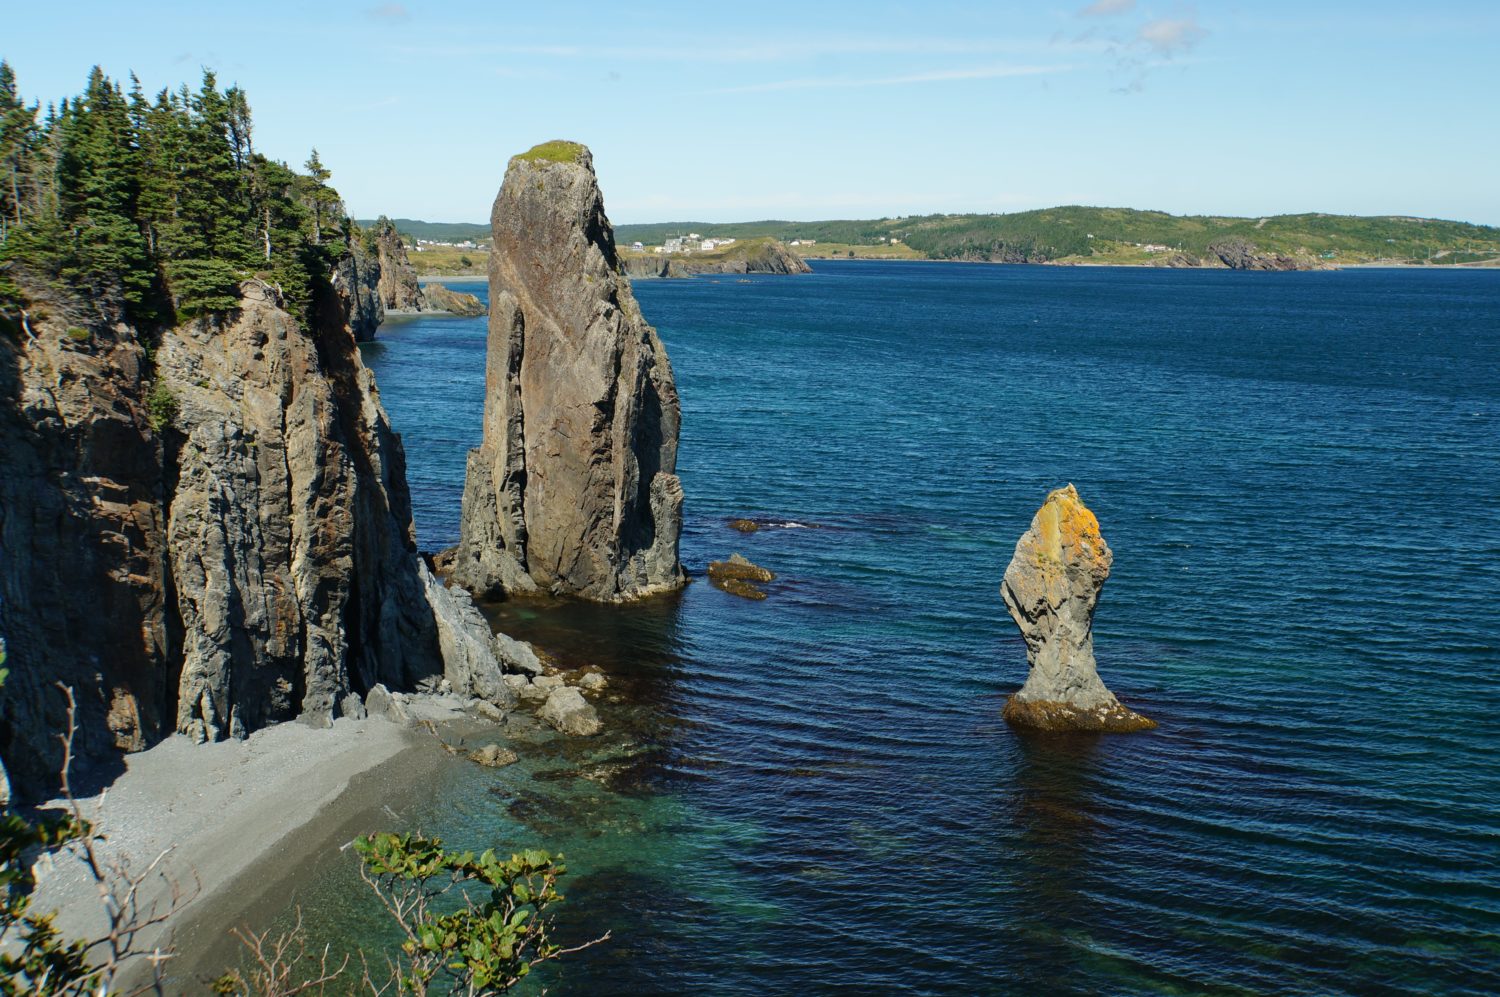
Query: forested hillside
1108	233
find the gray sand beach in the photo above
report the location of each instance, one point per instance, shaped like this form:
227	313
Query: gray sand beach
238	822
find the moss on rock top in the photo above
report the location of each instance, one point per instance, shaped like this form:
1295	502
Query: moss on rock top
556	151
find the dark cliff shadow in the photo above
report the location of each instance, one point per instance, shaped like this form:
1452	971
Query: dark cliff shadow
80	568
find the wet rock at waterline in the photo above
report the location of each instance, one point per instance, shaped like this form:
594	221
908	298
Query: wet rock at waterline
738	576
1051	588
493	756
569	712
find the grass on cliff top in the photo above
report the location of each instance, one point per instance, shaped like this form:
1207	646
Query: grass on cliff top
450	261
556	151
741	249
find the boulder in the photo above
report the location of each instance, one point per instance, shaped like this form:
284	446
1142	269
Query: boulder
573	489
593	682
493	756
569	712
1051	588
738	576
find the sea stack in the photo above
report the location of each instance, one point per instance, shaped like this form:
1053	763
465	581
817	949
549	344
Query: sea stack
1051	588
573	490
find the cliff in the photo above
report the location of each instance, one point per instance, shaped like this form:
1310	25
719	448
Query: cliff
217	548
1241	254
398	278
398	289
353	297
574	488
1051	588
750	256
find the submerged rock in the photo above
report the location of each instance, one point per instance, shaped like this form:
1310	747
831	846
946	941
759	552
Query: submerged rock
1051	588
744	525
574	488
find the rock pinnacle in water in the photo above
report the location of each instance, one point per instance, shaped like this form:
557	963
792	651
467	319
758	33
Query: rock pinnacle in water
1051	588
574	489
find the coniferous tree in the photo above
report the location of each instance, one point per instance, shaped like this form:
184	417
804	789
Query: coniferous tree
156	203
17	134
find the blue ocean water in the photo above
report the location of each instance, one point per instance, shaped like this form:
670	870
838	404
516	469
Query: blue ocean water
1299	475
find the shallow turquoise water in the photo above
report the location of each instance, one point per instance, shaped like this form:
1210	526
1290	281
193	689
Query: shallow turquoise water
1300	477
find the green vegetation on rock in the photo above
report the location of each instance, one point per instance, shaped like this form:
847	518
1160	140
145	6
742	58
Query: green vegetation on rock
556	151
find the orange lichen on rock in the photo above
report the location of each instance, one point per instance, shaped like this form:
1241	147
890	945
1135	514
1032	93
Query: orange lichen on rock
1051	588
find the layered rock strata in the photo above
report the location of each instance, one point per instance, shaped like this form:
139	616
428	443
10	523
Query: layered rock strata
219	548
1051	588
574	488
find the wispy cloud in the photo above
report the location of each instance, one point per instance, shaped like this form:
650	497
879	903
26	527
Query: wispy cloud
936	76
389	12
1169	36
1107	8
770	50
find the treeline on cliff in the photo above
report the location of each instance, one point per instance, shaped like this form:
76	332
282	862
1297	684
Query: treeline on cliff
159	203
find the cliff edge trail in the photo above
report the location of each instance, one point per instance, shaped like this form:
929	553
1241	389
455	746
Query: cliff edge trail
574	489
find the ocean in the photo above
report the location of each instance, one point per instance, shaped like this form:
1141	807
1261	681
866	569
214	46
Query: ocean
1299	475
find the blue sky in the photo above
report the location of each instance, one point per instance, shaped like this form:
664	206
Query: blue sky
718	112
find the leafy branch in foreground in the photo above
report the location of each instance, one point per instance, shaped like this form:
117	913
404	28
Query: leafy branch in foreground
483	947
486	944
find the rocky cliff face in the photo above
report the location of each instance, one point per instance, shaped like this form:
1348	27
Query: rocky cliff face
353	298
1240	254
399	290
1051	588
229	548
574	488
82	522
771	257
398	278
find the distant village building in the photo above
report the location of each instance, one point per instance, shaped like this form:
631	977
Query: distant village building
637	246
708	245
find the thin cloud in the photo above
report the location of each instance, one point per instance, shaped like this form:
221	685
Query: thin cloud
1169	36
389	12
937	76
695	50
1107	8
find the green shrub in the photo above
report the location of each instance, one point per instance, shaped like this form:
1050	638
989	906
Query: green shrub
161	407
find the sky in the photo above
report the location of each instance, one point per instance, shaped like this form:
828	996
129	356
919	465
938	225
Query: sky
813	110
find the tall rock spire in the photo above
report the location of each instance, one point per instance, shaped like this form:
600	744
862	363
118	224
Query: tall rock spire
574	488
1051	588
